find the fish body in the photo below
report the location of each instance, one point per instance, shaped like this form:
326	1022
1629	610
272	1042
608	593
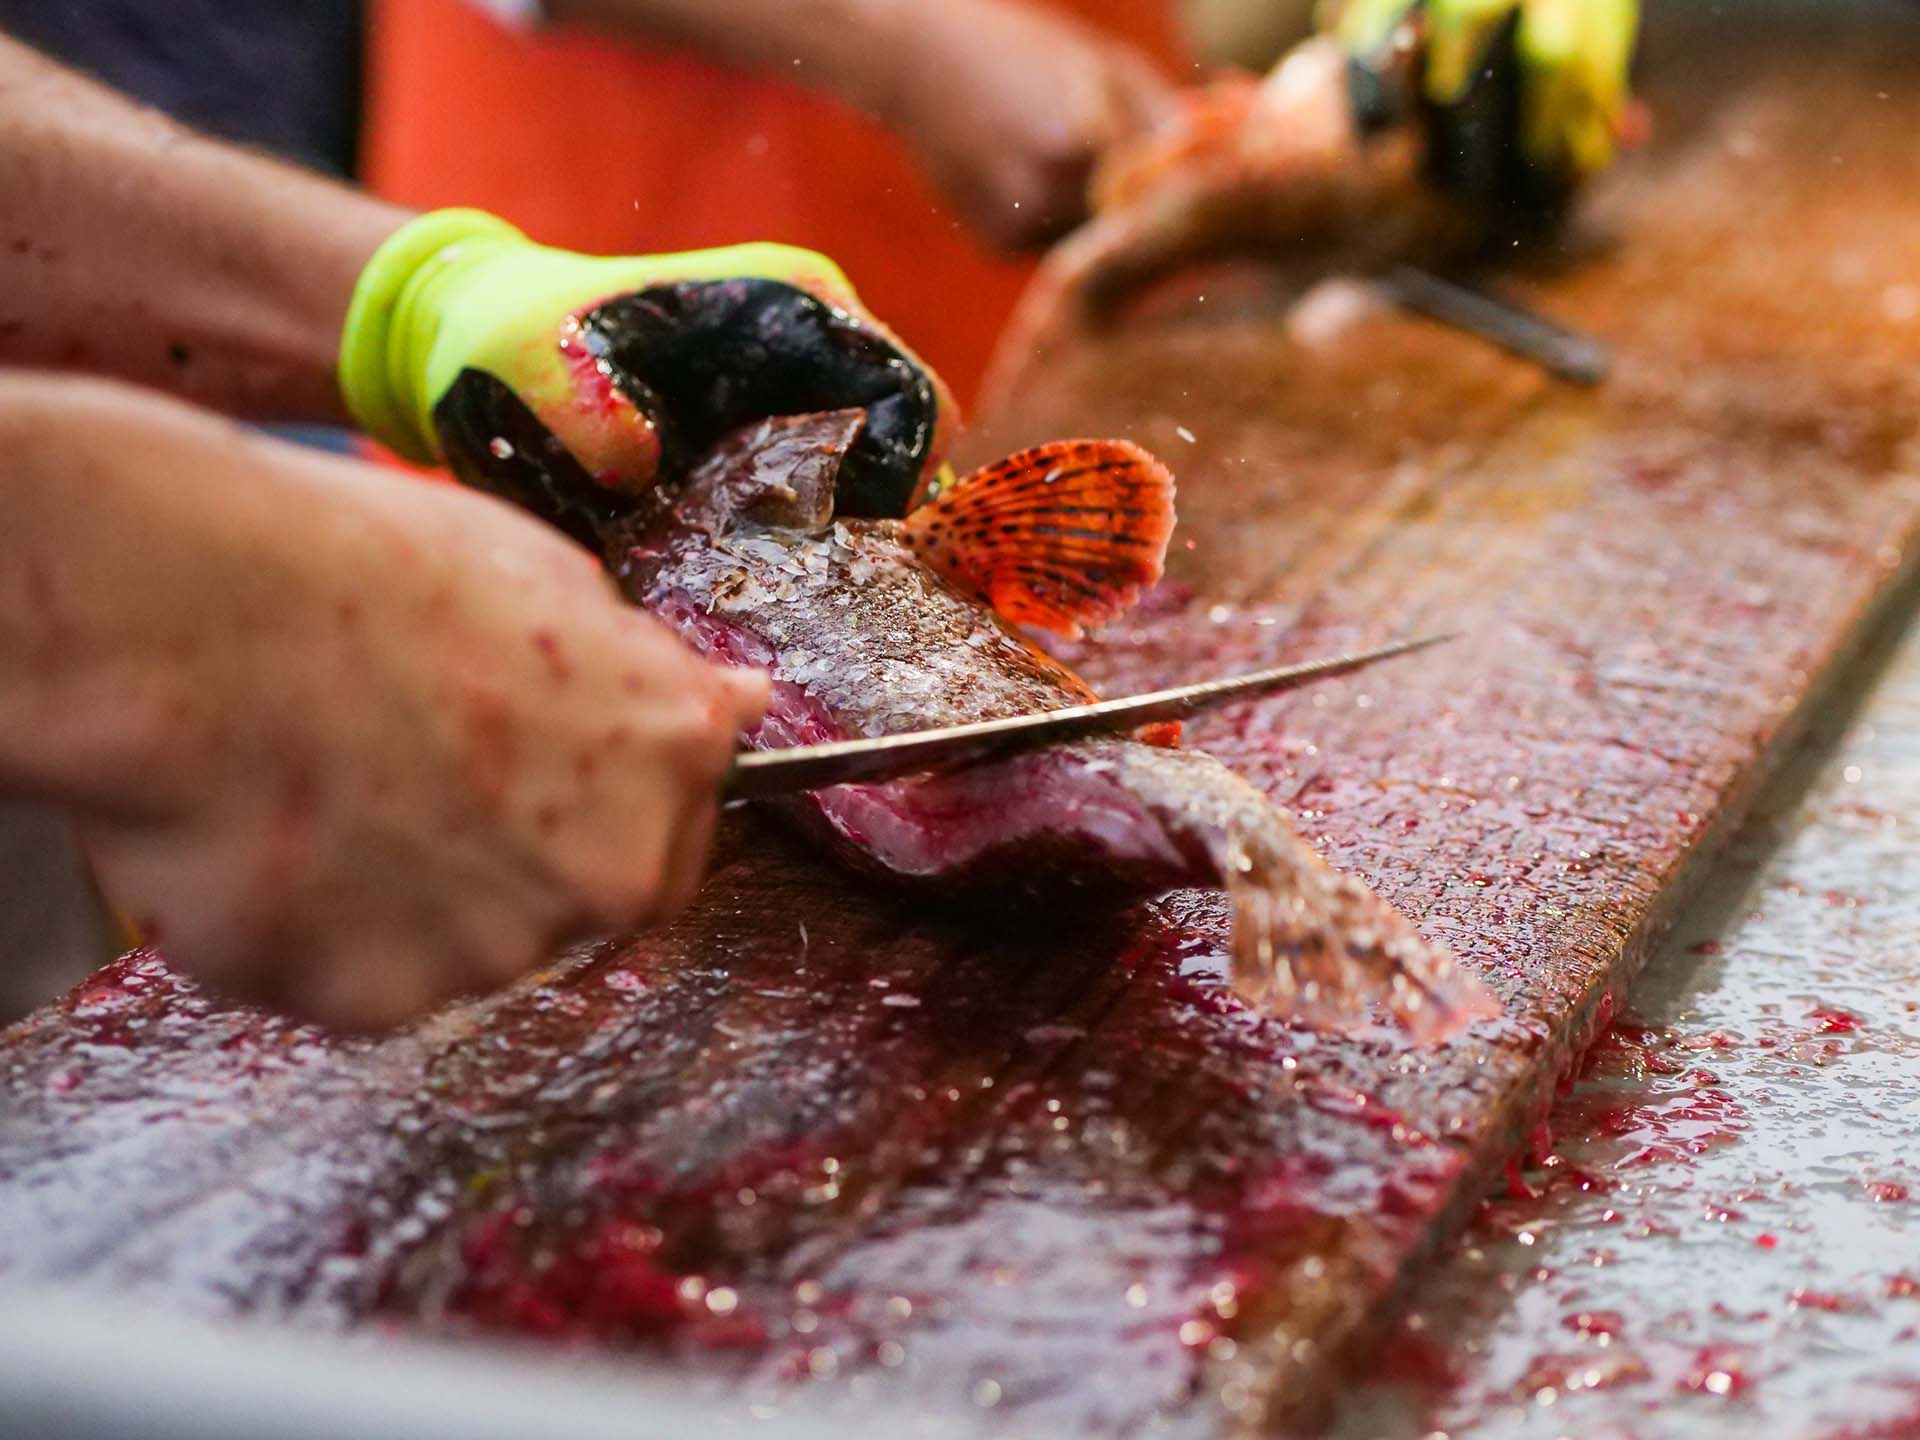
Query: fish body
873	627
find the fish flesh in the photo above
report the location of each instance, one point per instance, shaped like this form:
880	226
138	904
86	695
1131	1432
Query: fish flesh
876	626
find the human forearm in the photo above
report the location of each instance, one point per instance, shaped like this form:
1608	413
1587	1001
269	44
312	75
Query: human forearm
126	564
846	47
131	247
336	740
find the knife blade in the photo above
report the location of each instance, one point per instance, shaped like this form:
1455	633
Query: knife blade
1564	353
760	773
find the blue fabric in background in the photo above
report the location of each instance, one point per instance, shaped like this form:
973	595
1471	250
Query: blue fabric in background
280	74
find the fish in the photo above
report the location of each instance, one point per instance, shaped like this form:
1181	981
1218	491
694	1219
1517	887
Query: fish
1278	166
872	626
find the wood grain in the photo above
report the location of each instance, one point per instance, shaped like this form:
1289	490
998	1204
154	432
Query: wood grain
1046	1174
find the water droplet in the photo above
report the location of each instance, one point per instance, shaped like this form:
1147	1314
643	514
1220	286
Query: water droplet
1195	1332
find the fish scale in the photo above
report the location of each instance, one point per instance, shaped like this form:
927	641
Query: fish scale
1096	819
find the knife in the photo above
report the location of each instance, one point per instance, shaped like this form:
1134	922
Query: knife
760	773
1564	353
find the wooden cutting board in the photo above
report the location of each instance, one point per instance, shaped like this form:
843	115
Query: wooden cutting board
1045	1174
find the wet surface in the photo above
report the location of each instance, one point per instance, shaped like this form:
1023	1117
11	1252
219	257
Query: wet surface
1717	1237
861	637
1052	1176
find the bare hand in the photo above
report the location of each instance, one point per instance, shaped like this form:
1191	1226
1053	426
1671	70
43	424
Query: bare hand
376	742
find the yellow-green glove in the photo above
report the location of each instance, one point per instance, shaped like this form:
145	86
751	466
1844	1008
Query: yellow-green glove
1521	95
571	383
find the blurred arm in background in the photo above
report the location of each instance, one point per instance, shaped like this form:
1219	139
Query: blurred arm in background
1008	104
1251	34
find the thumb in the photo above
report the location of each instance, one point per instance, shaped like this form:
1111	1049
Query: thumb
744	691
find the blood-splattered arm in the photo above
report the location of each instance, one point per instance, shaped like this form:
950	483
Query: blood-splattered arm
130	246
335	739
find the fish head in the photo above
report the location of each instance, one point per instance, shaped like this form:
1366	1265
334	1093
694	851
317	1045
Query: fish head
780	475
699	364
705	358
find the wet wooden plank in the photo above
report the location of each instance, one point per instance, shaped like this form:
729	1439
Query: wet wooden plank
1050	1175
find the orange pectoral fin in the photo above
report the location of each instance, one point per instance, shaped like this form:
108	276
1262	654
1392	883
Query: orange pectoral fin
1057	537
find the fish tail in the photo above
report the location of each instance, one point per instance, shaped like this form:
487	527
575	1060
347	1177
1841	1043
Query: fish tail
1318	946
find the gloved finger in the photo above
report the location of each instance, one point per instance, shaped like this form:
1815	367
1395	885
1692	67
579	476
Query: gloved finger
1524	99
1576	57
1461	36
1473	119
493	441
705	357
1451	67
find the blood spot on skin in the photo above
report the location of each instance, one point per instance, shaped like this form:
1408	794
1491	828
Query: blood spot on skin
559	667
585	766
40	588
285	847
618	737
300	799
21	246
491	744
178	354
55	639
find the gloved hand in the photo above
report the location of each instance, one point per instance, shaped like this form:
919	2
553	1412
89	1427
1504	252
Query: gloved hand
570	383
1522	99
